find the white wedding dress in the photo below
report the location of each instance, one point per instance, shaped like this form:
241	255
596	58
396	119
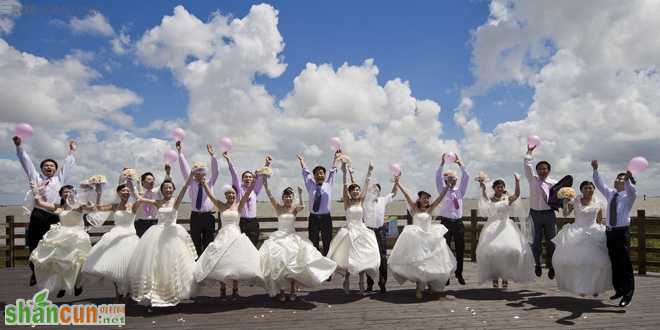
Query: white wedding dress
581	259
285	256
421	254
503	251
231	256
61	253
161	268
355	248
111	255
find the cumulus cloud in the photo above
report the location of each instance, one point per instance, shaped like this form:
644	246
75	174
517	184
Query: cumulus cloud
9	10
593	68
94	23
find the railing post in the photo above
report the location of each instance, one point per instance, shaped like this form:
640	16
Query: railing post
473	234
641	242
9	241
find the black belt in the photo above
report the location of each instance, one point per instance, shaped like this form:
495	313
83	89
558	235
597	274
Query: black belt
248	219
541	211
617	228
207	212
377	228
450	219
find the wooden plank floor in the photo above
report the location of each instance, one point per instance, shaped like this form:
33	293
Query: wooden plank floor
536	305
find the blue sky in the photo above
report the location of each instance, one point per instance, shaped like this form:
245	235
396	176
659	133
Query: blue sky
427	43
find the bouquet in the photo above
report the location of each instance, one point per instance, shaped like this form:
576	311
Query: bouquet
566	193
93	180
482	177
266	170
198	167
129	173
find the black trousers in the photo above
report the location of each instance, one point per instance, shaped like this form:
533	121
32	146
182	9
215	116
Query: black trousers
381	237
456	232
320	226
618	246
141	225
545	226
40	222
250	227
202	229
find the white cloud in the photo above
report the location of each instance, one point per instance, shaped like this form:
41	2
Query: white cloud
593	68
94	23
9	10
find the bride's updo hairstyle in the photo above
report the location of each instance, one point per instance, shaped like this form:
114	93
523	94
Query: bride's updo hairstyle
288	191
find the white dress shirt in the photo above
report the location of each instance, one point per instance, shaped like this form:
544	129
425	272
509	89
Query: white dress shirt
538	189
625	201
49	187
374	210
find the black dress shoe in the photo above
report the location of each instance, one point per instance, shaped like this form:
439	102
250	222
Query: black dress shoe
625	301
616	296
382	288
77	291
538	271
33	280
460	279
447	282
551	273
370	288
61	293
329	279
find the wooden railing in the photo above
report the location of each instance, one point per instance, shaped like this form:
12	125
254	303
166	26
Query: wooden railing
643	229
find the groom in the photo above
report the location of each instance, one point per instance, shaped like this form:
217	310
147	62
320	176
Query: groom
543	216
620	203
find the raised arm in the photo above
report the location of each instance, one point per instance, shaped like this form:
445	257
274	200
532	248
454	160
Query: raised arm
411	204
168	172
307	176
527	164
465	177
439	179
516	193
482	185
214	166
219	204
25	160
395	188
301	203
232	171
272	199
259	180
630	189
183	163
345	196
69	162
179	198
598	181
366	181
437	201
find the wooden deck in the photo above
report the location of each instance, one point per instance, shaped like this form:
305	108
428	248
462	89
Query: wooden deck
536	305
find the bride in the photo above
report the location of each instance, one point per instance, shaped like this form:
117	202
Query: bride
581	258
503	252
286	258
231	256
421	254
161	269
355	248
60	254
110	256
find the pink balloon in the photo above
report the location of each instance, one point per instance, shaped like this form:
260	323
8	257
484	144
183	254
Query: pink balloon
533	140
637	165
335	143
225	144
24	131
171	156
395	169
450	157
178	134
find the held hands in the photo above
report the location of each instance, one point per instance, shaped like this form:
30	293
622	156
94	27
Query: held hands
209	149
594	165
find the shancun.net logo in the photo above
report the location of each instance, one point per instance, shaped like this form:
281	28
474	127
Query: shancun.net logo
41	311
